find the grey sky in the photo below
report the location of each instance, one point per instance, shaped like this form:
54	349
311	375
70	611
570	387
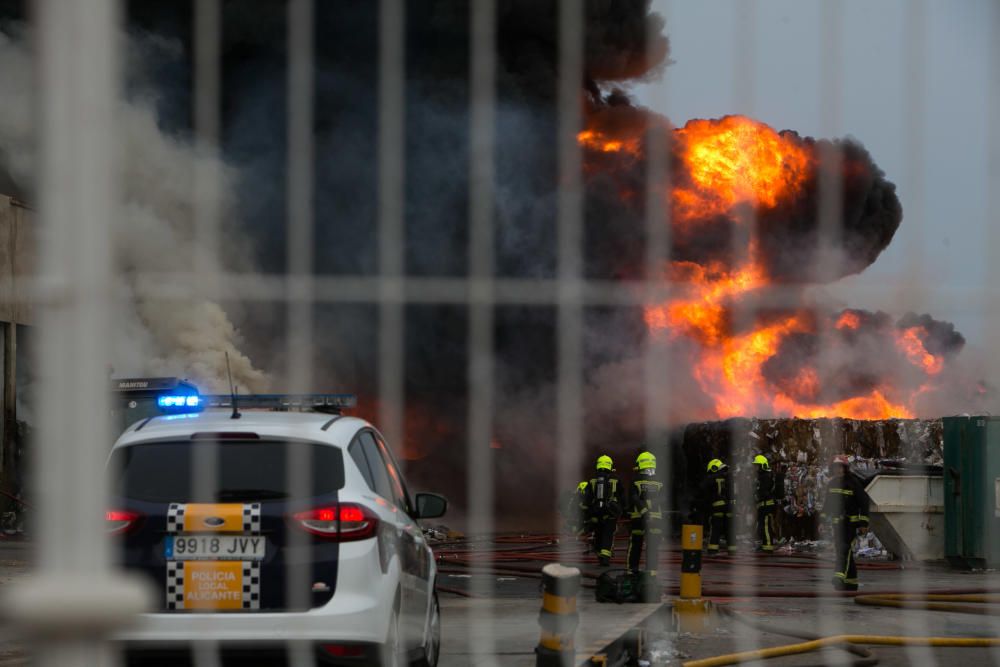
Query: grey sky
910	79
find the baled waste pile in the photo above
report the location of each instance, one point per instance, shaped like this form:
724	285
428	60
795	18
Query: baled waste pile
799	451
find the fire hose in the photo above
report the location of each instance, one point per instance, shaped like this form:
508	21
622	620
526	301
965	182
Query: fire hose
865	657
939	601
841	641
934	602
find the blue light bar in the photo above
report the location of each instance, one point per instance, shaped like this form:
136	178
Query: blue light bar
174	402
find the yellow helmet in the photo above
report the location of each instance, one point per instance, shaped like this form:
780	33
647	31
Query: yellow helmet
715	465
761	460
604	462
645	461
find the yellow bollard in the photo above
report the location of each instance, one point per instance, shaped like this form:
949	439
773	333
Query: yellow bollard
691	536
558	618
690	610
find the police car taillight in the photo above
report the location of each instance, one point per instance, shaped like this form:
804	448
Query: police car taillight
121	521
345	522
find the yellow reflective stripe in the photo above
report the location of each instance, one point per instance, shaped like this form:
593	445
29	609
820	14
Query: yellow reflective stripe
718	503
846	492
859	517
556	604
556	642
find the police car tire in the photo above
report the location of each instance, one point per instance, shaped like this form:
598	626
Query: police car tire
432	650
392	654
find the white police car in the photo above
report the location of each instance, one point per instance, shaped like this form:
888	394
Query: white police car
202	506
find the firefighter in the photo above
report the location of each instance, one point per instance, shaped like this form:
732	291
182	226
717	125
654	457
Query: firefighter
846	506
764	497
602	507
717	502
645	514
574	509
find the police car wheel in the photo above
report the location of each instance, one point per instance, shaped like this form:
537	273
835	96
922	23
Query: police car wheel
392	654
432	650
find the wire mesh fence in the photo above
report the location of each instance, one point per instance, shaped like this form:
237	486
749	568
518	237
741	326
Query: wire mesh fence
686	278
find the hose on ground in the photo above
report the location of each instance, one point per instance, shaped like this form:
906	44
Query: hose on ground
933	602
865	657
837	640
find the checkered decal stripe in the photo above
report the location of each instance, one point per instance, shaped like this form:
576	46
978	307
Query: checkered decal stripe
251	518
251	584
175	518
250	569
175	584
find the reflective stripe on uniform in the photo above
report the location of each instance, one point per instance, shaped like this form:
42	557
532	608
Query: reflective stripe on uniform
845	492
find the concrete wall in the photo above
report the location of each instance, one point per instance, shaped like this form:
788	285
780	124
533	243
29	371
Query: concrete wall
18	257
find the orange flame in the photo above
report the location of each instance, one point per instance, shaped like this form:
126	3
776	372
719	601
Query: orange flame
911	341
848	320
737	160
595	140
726	164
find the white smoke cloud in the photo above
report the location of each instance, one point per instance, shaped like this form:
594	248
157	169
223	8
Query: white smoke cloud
187	337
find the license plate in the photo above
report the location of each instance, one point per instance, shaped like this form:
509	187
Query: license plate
214	547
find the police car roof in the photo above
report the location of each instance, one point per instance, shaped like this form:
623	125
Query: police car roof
264	424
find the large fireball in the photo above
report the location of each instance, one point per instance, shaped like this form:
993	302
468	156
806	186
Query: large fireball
742	202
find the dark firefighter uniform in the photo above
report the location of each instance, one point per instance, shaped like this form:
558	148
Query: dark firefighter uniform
575	508
764	495
717	502
846	506
602	507
645	510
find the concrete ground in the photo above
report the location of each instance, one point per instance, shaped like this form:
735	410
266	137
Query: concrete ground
787	593
14	557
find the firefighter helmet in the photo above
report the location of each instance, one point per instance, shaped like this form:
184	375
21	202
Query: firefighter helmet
604	462
645	461
715	465
761	460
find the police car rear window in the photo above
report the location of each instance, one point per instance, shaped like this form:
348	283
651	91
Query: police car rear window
244	471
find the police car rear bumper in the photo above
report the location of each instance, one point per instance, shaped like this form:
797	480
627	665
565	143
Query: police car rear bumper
359	611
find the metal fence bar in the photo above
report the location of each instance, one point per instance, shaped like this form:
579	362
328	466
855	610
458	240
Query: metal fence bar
300	310
914	119
261	288
991	323
391	228
479	466
656	357
569	341
207	104
745	309
79	76
207	28
831	183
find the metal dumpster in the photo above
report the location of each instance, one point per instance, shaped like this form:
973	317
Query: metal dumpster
907	514
972	491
